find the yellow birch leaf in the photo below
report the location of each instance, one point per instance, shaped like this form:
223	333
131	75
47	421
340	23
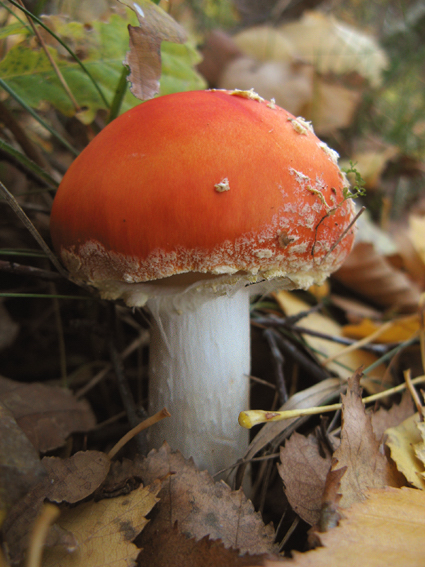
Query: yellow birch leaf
105	530
402	441
386	529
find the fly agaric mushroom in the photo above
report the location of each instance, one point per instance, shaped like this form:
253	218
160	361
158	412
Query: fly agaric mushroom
182	204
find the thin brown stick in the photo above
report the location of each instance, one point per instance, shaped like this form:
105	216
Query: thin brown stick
143	425
413	393
48	515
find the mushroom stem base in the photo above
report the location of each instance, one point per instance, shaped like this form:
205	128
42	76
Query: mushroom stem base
199	369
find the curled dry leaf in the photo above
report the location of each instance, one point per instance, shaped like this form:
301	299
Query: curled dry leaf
201	506
359	450
46	414
144	57
386	529
303	470
371	275
383	419
104	531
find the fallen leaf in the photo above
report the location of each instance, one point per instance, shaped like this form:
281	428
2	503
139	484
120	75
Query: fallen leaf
171	547
73	479
67	480
383	418
330	509
384	530
359	450
370	274
401	441
144	57
303	470
346	364
201	506
105	530
400	330
335	47
46	414
20	466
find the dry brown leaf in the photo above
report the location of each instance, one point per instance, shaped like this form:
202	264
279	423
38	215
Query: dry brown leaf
401	441
359	450
330	509
144	57
104	530
303	470
382	419
73	479
46	414
170	547
20	466
67	480
385	530
370	274
201	506
323	349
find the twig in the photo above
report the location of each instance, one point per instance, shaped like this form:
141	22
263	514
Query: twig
31	228
48	515
413	393
136	430
332	248
278	361
250	418
19	269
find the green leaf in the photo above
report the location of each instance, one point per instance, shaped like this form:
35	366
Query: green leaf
102	48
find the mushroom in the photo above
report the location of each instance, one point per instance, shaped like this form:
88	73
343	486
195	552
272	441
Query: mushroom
188	204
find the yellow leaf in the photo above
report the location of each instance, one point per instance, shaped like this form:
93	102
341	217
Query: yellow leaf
386	529
346	364
400	330
401	441
105	530
417	234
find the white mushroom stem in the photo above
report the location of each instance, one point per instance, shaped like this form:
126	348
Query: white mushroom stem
199	370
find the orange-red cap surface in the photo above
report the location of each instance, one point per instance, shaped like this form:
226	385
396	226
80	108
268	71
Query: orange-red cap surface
206	181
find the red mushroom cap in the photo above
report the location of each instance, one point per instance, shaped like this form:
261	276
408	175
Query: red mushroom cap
212	182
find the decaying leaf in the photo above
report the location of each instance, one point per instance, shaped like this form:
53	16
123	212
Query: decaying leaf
104	530
201	506
20	466
359	450
171	547
330	513
402	441
386	529
67	480
303	470
46	414
144	57
73	479
371	275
